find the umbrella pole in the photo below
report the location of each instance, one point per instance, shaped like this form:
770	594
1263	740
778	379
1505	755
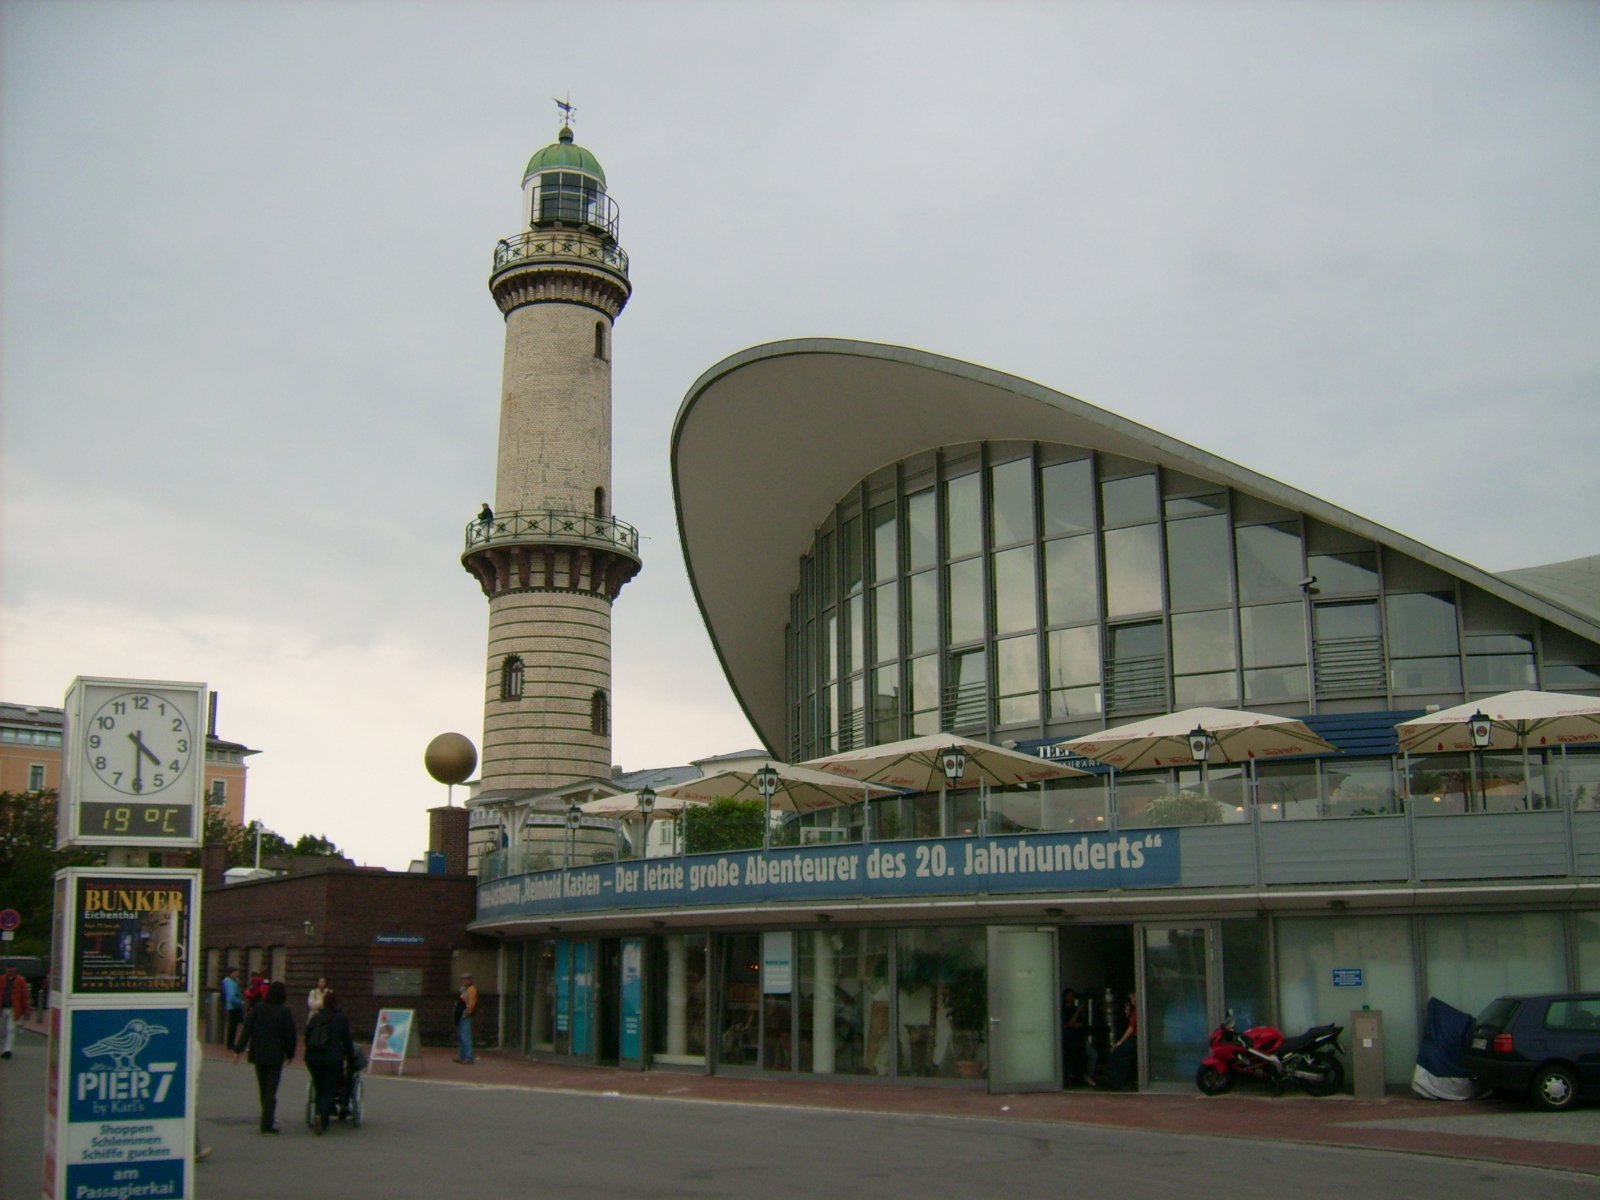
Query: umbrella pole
866	814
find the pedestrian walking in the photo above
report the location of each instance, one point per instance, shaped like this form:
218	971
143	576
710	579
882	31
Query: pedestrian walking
466	1007
330	1049
16	998
233	1005
269	1040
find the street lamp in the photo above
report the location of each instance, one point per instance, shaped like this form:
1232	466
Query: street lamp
574	817
767	785
1480	728
647	804
1200	751
954	762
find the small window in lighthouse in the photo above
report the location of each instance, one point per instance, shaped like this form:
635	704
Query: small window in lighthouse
599	502
511	678
599	339
599	714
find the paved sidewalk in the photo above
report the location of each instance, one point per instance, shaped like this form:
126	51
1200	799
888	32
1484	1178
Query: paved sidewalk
1492	1130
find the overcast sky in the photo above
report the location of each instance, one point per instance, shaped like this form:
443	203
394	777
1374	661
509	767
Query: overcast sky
251	367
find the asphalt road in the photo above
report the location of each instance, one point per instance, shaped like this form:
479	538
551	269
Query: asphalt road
432	1139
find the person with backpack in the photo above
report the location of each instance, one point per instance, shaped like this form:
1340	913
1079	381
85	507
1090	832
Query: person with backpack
329	1049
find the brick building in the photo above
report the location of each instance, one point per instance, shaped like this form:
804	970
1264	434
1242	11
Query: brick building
383	939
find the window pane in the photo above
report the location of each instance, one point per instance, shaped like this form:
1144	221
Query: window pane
829	667
1068	497
1353	571
1126	501
1074	667
967	702
1012	487
850	551
827	581
1014	607
855	643
1070	592
1361	788
886	620
962	509
1202	642
922	535
1273	649
1017	671
1420	623
884	557
886	705
1136	669
923	619
1198	571
966	601
1133	571
1278	683
1346	621
924	683
1425	674
1269	561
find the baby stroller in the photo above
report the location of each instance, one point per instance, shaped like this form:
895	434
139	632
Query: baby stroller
347	1104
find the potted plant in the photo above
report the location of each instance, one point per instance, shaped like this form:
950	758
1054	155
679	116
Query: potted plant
966	997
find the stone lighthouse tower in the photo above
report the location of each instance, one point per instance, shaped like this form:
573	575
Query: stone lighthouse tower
551	558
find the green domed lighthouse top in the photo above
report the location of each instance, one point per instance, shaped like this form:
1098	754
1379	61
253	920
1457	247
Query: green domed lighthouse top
564	155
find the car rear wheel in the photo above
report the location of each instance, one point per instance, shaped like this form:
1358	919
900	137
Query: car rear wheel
1555	1087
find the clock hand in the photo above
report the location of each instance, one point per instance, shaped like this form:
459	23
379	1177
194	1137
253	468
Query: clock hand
137	738
138	764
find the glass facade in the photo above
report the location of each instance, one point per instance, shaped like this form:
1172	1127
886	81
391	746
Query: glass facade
1036	590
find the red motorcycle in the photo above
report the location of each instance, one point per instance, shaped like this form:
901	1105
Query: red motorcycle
1264	1053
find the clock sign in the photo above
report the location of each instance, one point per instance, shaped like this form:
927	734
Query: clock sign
136	755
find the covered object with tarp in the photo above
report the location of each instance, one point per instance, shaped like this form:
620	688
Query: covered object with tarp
1441	1071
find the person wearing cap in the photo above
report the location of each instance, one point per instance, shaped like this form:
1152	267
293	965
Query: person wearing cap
466	1006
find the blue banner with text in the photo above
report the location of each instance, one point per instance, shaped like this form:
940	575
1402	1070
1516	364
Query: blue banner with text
946	867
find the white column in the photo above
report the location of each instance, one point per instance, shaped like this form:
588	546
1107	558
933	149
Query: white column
677	994
822	1004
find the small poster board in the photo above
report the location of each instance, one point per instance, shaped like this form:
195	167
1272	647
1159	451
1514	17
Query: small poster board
392	1041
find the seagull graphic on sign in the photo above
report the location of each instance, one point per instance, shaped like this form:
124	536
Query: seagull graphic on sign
122	1048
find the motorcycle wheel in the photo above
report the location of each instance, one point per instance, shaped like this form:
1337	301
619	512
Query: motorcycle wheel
1330	1075
1214	1082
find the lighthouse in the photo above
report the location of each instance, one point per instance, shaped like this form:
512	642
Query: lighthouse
548	553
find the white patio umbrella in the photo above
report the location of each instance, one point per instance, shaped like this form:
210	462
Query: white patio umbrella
1517	721
797	789
917	764
778	785
627	805
1228	735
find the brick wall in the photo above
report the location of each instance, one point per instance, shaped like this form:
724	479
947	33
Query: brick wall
329	924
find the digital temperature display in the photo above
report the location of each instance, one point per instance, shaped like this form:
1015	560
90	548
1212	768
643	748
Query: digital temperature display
98	819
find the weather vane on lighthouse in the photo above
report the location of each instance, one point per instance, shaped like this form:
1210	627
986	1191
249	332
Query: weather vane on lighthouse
567	108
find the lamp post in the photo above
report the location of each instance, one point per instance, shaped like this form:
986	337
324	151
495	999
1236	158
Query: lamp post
1480	728
954	762
647	804
574	816
1200	751
767	785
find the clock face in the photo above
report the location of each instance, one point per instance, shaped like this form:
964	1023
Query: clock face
138	742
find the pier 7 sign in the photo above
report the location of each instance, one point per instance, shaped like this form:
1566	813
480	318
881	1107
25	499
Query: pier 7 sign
946	867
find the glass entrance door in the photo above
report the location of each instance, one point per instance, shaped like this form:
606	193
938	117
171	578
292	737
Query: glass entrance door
1178	973
1024	1027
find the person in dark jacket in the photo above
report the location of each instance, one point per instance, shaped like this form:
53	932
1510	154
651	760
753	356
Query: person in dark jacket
329	1049
268	1037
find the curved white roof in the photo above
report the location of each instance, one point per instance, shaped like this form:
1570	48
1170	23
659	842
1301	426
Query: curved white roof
769	439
